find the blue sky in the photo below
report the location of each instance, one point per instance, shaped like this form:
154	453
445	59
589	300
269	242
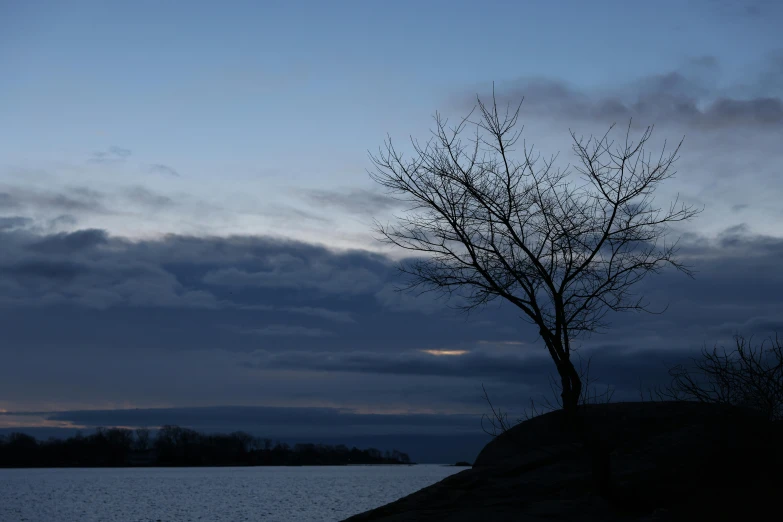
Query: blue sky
247	100
138	120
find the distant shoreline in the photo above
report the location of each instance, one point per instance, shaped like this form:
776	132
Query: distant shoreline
177	447
227	466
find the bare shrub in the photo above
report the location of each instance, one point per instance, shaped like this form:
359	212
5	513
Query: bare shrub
748	376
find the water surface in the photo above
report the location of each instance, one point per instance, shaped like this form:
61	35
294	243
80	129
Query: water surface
307	493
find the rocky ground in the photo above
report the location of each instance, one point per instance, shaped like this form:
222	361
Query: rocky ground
632	462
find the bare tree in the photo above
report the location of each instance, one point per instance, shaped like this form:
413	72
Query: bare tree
749	376
142	439
487	224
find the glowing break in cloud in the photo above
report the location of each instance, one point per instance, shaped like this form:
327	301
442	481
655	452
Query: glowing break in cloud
445	352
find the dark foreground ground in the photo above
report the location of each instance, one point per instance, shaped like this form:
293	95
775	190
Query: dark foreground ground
665	461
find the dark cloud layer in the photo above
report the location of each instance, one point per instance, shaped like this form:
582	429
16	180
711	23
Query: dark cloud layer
220	417
690	95
12	222
67	200
506	367
67	243
92	319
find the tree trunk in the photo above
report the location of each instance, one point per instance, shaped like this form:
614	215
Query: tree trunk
572	386
600	453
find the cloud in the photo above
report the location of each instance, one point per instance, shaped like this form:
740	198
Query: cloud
69	243
75	199
734	9
355	201
339	316
395	297
267	421
726	111
14	222
60	208
90	268
271	415
74	268
771	78
283	330
689	95
160	168
102	310
298	273
113	154
40	270
147	198
67	200
7	201
504	367
63	220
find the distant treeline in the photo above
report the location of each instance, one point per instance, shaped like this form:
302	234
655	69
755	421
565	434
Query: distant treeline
176	446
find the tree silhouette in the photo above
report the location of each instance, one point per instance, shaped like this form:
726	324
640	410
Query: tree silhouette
488	224
749	376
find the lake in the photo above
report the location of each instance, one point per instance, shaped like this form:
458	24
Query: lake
308	493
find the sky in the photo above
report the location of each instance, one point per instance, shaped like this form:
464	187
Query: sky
186	213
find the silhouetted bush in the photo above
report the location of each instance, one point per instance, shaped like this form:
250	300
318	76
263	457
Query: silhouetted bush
748	376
